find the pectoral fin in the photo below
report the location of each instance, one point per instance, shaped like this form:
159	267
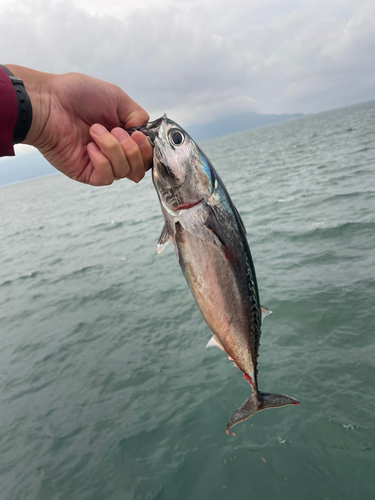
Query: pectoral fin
213	229
164	239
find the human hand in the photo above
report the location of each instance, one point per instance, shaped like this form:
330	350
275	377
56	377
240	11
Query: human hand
78	125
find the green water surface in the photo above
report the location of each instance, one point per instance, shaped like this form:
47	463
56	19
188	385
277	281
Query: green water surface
106	389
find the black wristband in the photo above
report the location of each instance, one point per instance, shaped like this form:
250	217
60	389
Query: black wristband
25	110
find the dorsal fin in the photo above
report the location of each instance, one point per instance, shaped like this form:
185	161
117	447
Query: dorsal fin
265	312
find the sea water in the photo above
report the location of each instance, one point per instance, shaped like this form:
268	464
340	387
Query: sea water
106	389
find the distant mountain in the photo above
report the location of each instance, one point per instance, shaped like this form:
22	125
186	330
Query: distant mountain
235	123
24	167
34	165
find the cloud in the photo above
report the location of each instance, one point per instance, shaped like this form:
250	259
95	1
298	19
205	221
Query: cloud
202	60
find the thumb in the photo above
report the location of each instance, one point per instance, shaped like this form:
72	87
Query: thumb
130	113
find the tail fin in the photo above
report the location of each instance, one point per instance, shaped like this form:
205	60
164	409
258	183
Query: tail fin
258	402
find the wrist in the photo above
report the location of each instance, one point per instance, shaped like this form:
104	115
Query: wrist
37	85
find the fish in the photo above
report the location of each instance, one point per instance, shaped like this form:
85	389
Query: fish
211	246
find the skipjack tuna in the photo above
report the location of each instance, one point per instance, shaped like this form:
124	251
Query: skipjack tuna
210	243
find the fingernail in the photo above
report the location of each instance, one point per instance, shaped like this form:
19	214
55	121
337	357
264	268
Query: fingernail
120	134
93	147
139	138
98	129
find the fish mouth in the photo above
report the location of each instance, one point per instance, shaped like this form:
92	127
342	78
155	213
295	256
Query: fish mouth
150	129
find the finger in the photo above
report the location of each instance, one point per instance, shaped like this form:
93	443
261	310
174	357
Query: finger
132	152
110	146
145	148
102	174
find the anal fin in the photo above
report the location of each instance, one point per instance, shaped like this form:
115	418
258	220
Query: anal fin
214	343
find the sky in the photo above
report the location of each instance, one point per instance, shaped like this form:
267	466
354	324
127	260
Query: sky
198	60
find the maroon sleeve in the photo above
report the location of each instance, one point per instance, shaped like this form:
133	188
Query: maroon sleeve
8	114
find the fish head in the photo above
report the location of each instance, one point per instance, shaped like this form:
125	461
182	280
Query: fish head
182	175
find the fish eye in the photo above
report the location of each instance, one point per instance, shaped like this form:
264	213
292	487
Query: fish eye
176	137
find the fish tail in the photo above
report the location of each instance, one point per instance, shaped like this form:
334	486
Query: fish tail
257	402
